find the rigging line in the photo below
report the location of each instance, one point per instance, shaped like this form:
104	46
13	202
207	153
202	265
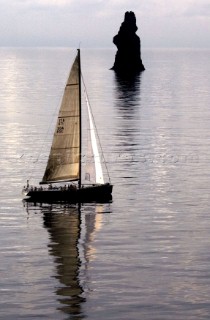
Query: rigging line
85	90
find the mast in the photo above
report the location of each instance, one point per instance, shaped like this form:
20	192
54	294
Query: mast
80	121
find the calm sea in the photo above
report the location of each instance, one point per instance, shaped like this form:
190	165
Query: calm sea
144	256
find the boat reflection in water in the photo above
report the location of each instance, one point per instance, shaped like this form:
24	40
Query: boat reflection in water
71	245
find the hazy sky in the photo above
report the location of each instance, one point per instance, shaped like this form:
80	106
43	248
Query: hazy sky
161	23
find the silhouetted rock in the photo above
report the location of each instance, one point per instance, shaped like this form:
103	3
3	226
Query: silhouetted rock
128	57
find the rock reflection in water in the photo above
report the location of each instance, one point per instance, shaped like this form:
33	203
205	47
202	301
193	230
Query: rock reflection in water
127	106
127	92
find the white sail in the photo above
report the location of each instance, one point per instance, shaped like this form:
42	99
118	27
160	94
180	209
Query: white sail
63	163
98	174
90	172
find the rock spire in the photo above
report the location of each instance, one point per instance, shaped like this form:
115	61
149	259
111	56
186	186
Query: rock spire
128	57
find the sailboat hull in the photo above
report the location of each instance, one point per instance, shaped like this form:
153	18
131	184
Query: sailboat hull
102	193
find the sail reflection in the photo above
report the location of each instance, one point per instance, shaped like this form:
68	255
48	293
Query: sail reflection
92	224
64	227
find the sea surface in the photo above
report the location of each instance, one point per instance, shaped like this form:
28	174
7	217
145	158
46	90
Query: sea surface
145	255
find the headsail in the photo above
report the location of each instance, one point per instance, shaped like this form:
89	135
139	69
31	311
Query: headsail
64	159
98	173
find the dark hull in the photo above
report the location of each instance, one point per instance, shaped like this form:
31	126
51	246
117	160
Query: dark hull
95	193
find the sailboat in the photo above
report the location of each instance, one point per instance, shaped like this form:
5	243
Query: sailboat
63	173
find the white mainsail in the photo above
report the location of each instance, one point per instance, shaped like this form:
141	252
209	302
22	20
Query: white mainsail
64	159
98	173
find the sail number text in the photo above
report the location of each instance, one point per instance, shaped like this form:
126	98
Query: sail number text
60	127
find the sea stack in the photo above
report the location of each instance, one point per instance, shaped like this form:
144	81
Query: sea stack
128	57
